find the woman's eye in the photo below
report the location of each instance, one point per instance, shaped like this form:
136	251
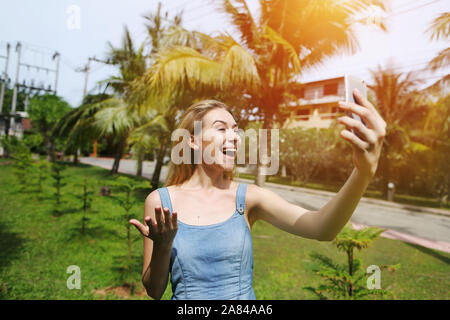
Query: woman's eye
221	129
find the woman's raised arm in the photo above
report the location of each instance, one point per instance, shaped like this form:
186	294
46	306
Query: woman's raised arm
325	223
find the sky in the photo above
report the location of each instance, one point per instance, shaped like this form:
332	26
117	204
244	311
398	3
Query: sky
81	29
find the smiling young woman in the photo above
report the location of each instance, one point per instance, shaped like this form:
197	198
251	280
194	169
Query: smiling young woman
198	227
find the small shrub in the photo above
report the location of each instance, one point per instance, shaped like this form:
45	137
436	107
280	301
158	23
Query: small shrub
347	281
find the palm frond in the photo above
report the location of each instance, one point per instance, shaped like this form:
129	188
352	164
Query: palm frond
239	67
242	18
181	67
114	118
289	50
442	60
440	27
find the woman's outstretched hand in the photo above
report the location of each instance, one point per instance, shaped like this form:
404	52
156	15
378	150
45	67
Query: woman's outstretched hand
163	230
367	149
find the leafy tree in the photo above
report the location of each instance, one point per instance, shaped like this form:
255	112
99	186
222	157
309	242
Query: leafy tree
7	99
306	151
347	281
44	112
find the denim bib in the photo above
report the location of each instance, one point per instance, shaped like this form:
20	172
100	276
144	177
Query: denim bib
212	262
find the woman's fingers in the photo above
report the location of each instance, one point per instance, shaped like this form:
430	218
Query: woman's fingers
367	112
175	220
142	229
352	138
159	219
365	133
167	220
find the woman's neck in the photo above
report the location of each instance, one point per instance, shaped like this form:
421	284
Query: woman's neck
207	178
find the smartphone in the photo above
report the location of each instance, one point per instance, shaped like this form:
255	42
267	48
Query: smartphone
352	82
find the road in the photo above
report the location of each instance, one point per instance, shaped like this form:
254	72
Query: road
403	222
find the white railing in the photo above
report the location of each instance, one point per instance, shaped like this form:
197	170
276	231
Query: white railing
321	116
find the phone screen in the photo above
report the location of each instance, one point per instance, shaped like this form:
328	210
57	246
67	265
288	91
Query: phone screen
352	82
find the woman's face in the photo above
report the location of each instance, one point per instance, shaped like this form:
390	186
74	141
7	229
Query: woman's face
220	139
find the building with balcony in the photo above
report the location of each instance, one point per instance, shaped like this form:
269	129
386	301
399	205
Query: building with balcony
317	104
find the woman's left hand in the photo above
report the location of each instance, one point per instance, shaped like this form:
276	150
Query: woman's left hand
367	149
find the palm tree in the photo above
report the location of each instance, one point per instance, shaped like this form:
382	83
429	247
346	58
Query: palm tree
115	120
99	116
76	125
400	106
160	109
131	63
289	38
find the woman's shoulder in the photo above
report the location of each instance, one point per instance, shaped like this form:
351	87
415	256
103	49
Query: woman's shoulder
152	198
253	195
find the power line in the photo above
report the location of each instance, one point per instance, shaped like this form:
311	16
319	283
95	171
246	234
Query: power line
412	9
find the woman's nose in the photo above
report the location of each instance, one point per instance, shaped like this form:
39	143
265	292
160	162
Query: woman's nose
232	136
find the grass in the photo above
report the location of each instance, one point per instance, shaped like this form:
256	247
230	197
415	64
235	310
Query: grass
399	198
37	247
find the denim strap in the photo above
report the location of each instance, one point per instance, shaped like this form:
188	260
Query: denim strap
165	198
240	197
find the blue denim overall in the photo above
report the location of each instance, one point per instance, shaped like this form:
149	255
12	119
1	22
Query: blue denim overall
210	262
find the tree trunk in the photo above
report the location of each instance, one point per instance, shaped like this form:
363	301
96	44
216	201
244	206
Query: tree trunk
260	178
385	172
117	157
115	167
140	160
75	157
159	164
52	151
350	270
48	146
385	178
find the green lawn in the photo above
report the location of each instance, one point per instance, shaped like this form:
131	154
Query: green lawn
36	247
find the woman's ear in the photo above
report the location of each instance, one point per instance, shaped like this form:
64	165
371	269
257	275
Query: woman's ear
193	143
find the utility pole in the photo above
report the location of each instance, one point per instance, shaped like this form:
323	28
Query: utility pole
86	70
5	77
56	56
16	85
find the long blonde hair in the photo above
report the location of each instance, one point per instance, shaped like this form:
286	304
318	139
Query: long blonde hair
179	173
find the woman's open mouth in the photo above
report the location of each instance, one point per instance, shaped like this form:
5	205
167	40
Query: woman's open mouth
229	153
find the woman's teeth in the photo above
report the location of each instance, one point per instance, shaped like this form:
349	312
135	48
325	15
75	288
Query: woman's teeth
229	152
